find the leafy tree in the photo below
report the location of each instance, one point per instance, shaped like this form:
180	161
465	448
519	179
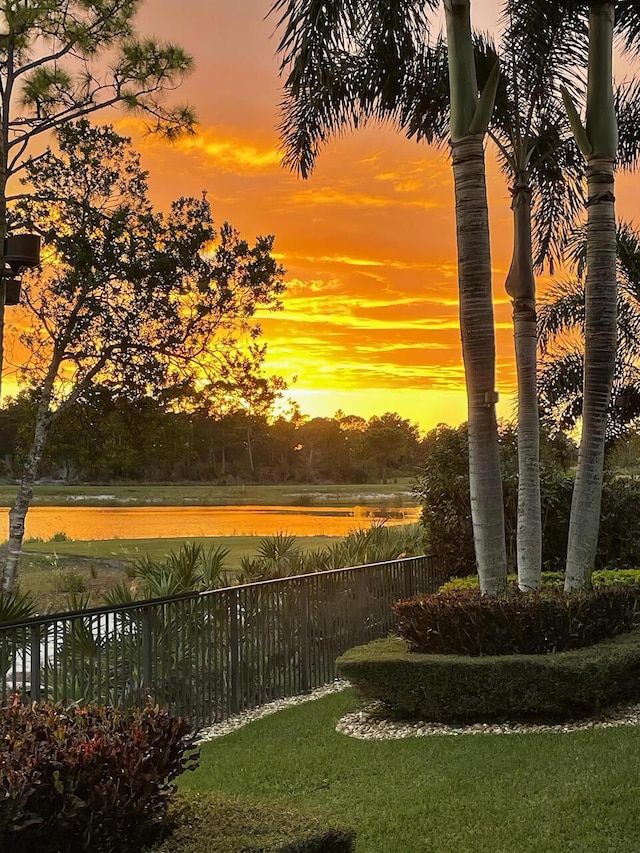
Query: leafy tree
245	389
64	59
132	299
323	448
341	60
389	442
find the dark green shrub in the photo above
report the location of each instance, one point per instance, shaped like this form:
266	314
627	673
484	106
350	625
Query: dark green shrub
214	824
443	491
89	778
455	688
464	622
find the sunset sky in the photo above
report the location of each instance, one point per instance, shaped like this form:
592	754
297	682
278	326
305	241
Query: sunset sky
371	316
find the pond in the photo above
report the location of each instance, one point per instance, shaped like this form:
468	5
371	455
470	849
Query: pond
89	523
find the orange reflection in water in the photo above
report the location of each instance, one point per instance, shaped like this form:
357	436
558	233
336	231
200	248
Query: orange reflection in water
88	523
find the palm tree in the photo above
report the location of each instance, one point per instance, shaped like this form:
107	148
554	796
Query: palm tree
561	328
598	141
342	61
545	175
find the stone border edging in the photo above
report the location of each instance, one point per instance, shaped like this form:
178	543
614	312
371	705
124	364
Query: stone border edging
234	723
371	724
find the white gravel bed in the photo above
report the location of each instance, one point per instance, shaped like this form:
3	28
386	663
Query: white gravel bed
237	722
371	724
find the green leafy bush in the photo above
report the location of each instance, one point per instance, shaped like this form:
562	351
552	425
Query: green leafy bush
214	824
601	577
451	688
443	491
68	580
280	556
89	778
464	622
555	579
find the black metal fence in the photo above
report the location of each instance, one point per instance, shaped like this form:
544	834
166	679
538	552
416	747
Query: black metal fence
210	655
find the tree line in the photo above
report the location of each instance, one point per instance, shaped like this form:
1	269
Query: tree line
108	438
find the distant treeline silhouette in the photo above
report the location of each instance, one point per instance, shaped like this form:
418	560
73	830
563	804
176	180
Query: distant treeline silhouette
106	438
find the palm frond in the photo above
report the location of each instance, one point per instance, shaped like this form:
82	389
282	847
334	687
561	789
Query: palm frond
556	175
627	105
314	32
353	89
628	248
560	386
627	24
561	311
547	43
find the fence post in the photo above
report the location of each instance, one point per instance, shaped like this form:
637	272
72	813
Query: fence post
234	653
408	578
305	651
35	663
147	650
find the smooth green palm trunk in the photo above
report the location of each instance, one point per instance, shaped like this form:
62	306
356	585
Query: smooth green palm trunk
521	287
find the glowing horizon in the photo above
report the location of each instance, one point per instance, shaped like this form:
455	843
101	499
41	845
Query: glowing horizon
371	312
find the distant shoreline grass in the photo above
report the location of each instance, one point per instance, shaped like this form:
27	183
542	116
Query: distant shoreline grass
133	549
51	570
306	494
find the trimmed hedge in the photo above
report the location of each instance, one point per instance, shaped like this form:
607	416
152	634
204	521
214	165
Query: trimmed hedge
468	623
215	824
452	688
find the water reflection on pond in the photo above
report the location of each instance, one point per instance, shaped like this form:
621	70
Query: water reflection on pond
87	523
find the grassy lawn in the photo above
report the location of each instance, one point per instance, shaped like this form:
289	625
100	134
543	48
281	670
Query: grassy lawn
397	493
131	549
533	793
51	570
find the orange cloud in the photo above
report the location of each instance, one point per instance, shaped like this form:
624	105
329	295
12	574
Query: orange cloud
371	313
231	154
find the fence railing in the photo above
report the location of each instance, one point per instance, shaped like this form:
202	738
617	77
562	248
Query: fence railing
211	655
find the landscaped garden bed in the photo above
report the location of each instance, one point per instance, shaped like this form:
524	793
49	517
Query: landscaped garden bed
464	657
455	688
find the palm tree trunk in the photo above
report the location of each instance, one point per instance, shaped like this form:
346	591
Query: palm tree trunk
599	363
521	287
478	352
600	139
476	302
3	234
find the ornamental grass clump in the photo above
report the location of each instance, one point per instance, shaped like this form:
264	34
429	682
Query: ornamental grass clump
91	778
463	622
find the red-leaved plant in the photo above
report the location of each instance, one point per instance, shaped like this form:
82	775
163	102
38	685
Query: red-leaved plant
87	778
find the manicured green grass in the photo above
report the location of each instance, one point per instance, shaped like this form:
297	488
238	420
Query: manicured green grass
397	494
533	793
